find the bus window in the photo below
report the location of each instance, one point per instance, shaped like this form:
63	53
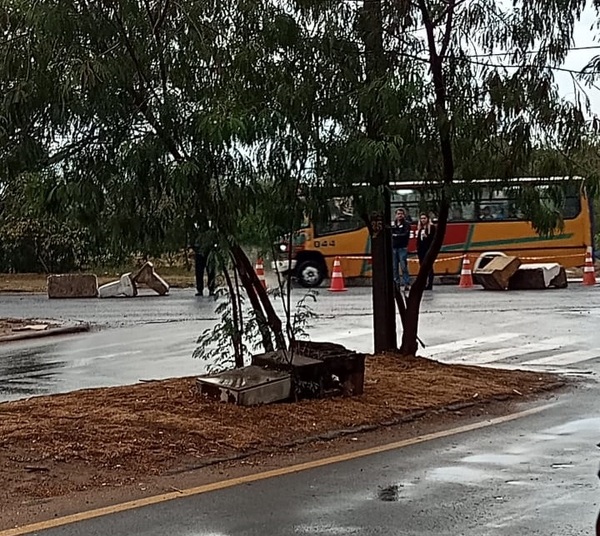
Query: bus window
493	205
305	224
503	204
340	217
572	207
413	202
462	212
569	205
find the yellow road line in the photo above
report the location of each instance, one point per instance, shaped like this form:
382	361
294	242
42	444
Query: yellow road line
148	501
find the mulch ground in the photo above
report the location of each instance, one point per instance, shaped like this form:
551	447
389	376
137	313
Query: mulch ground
56	445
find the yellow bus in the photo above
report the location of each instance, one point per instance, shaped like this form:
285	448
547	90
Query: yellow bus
491	222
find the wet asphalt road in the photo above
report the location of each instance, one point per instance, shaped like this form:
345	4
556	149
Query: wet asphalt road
534	476
153	337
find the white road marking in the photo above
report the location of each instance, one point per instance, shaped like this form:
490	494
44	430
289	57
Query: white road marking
476	351
482	357
454	346
568	358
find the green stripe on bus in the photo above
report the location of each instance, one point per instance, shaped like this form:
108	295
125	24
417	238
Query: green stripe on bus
505	242
366	267
470	235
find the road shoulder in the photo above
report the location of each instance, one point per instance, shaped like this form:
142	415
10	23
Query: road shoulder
41	515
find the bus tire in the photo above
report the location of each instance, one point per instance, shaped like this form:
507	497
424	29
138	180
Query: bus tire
310	273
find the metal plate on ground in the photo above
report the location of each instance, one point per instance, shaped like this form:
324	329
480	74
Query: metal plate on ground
248	386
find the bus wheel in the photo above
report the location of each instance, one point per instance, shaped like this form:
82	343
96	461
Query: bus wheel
310	274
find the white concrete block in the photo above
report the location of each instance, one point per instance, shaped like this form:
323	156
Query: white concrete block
123	288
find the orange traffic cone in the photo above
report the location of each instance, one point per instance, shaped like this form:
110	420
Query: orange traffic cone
466	278
337	278
589	275
260	272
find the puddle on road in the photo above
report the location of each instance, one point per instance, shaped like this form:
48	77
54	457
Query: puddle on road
28	371
497	459
461	475
562	465
327	529
573	427
395	492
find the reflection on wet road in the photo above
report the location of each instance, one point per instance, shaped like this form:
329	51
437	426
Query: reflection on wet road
28	371
104	358
153	338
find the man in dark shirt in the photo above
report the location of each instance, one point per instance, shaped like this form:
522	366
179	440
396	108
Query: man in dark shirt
204	248
400	237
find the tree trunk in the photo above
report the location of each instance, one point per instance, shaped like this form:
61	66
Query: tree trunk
236	335
261	319
384	317
410	321
273	320
444	127
376	68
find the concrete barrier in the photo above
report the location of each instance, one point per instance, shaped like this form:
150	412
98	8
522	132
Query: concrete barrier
146	275
123	288
538	276
496	274
72	286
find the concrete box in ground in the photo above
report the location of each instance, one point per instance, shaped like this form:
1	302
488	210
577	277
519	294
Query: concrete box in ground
538	276
339	362
72	286
497	273
248	386
308	373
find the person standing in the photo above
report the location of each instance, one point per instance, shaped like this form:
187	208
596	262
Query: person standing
204	261
400	238
425	235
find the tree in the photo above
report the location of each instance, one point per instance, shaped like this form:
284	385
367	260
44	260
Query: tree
156	114
483	108
451	91
132	109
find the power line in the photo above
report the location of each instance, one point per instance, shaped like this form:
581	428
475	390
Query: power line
528	52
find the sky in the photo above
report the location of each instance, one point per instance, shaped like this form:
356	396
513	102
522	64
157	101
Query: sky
585	36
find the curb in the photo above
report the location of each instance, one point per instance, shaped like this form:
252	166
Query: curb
336	434
66	330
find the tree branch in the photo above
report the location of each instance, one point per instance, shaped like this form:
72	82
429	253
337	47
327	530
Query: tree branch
429	30
448	30
163	15
142	102
443	122
155	25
